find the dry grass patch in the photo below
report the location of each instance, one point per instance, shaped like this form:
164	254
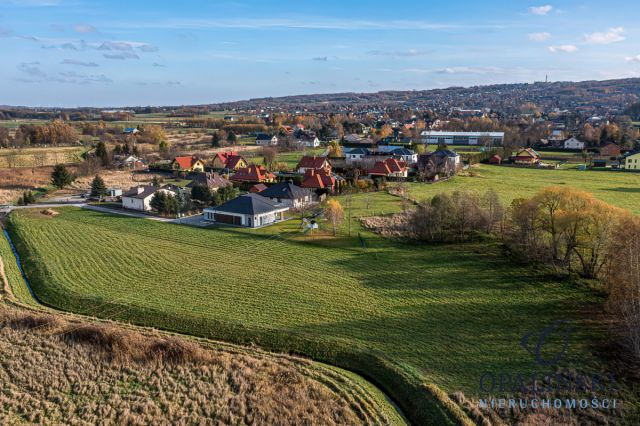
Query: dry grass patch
56	370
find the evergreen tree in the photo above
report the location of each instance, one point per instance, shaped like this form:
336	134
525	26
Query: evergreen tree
98	188
201	193
159	202
103	154
215	140
231	138
61	177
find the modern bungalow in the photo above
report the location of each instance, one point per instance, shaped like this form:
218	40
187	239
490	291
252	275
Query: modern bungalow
139	197
288	194
250	210
188	164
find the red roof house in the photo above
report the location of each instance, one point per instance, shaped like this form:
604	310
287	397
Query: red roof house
188	164
228	160
318	179
610	150
389	168
313	162
527	156
253	173
257	188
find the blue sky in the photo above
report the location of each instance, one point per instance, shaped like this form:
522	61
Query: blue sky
116	53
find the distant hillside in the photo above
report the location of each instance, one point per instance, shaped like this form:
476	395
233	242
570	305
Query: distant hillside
610	96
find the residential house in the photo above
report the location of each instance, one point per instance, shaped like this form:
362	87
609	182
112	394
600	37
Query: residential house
631	161
356	155
527	156
257	188
133	163
211	180
266	140
188	164
440	163
139	197
610	150
250	210
390	168
253	173
319	180
399	153
573	143
288	194
308	141
313	162
228	160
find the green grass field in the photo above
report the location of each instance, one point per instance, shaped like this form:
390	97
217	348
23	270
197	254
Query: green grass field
445	314
617	188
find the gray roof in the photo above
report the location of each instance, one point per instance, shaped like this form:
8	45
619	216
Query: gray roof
285	190
263	136
402	151
146	191
250	204
358	151
212	180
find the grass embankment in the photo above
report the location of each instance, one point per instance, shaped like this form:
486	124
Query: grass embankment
39	157
403	315
255	382
618	188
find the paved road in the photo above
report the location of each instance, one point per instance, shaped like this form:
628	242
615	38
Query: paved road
196	220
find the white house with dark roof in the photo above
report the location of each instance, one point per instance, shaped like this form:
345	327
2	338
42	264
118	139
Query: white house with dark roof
266	140
250	211
139	197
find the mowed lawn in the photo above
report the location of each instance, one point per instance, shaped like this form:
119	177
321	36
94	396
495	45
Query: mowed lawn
444	313
617	188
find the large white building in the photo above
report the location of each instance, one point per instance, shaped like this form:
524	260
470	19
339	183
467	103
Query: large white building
433	137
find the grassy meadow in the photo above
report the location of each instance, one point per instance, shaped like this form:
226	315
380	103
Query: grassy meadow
618	188
439	314
39	157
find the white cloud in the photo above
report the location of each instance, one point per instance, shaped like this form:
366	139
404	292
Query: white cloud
400	53
121	55
540	10
633	59
456	70
564	48
539	36
611	36
78	63
84	28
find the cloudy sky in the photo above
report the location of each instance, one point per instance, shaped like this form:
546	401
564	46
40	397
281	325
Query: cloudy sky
117	53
